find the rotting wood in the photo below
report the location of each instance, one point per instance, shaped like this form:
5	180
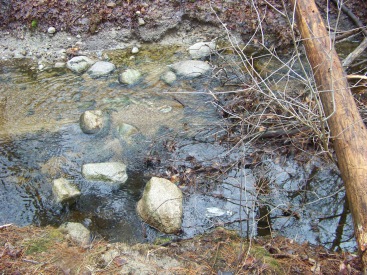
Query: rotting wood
349	134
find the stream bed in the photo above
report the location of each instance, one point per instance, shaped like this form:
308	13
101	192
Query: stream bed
40	140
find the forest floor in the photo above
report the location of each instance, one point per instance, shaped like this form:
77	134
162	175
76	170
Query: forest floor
34	250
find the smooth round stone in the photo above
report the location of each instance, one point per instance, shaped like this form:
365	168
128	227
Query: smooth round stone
91	122
51	30
129	77
169	77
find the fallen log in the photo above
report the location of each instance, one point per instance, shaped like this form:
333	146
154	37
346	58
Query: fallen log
349	134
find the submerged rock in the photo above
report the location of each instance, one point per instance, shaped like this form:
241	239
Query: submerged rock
64	191
91	122
169	77
76	232
126	131
202	49
190	68
105	171
129	77
101	68
161	205
79	64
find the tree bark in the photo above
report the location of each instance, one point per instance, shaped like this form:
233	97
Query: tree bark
349	134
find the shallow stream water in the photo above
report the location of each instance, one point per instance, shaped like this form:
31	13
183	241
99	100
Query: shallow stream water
40	140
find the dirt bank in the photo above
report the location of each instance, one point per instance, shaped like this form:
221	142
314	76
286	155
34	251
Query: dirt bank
33	250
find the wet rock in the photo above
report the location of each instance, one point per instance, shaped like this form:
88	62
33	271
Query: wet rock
64	191
105	171
129	77
60	65
190	68
51	30
202	49
79	64
169	77
91	122
126	131
161	205
76	232
101	68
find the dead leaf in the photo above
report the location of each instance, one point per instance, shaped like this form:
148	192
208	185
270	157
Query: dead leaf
119	261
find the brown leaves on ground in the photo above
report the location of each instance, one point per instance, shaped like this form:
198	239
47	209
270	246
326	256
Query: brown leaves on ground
33	250
92	16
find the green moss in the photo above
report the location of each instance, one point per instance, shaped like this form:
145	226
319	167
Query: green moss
43	243
147	53
161	240
259	252
34	24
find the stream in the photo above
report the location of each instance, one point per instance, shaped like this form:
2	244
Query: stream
40	140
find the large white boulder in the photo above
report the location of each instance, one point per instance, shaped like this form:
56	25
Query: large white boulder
161	205
105	171
76	232
63	190
190	68
202	49
101	68
79	64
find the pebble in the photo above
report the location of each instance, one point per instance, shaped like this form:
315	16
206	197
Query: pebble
51	30
135	50
111	5
141	21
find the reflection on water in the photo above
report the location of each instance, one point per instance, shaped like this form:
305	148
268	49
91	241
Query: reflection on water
40	140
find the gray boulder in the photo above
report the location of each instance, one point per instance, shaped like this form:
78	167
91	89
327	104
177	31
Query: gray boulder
101	68
202	49
161	205
79	64
190	68
130	77
64	191
91	122
76	232
105	171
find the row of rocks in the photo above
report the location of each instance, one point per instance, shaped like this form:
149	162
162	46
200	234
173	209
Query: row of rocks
188	69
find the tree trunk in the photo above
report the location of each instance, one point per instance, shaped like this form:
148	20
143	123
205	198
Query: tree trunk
349	134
